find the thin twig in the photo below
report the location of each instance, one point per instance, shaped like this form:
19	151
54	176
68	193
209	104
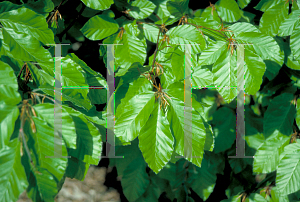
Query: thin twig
55	10
21	69
42	95
72	23
207	28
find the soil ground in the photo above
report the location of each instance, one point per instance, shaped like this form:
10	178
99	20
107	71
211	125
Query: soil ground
92	189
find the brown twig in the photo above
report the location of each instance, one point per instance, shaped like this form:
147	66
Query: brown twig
55	10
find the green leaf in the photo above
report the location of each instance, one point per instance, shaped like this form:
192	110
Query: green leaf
202	77
272	18
246	16
151	32
43	146
254	71
298	113
25	47
46	112
7	76
287	26
44	186
98	5
243	3
210	13
264	5
195	137
135	179
156	141
43	7
224	124
76	169
13	179
280	116
266	47
177	7
93	31
72	75
163	16
8	6
224	73
134	116
8	116
294	42
187	34
211	54
136	87
241	27
266	158
141	9
133	50
205	22
288	170
255	197
228	10
9	95
205	178
24	20
130	153
88	141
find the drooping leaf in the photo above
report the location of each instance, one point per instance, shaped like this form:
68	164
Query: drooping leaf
224	75
13	177
44	146
135	179
135	114
156	141
196	137
254	71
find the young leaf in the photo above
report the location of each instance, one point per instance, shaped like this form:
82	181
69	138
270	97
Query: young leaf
156	141
228	10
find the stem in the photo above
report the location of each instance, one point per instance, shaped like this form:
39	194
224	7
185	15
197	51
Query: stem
208	28
55	10
43	95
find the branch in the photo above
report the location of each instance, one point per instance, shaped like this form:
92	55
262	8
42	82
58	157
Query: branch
208	28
